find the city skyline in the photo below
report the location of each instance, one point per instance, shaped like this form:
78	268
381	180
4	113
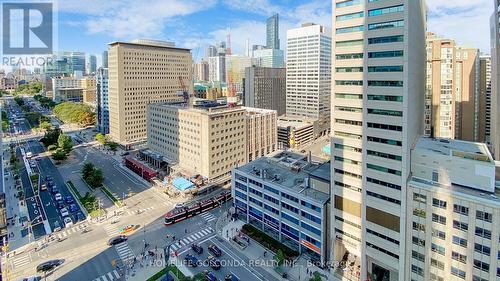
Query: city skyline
189	23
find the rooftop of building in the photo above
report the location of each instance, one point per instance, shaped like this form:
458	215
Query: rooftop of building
200	105
295	122
255	111
463	149
322	171
149	43
473	194
288	170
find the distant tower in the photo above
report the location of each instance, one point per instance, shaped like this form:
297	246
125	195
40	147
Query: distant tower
247	48
273	32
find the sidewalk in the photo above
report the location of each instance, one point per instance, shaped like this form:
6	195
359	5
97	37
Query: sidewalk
15	211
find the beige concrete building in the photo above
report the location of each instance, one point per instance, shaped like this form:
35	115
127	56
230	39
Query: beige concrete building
295	132
454	212
88	85
67	89
201	71
378	71
452	90
262	137
140	74
484	99
208	138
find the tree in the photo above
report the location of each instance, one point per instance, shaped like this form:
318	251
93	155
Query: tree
279	257
59	154
316	277
45	126
52	147
96	178
64	142
112	145
87	169
51	136
75	112
100	138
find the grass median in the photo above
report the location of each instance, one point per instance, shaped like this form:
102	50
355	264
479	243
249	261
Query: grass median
115	200
88	201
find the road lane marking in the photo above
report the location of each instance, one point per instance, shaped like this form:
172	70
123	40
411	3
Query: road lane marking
222	246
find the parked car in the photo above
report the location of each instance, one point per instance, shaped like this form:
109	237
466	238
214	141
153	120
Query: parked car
231	277
214	262
73	208
209	276
57	227
214	250
50	182
79	216
48	265
197	249
54	189
43	186
117	240
68	222
69	199
64	212
58	196
48	178
191	260
60	205
32	278
128	228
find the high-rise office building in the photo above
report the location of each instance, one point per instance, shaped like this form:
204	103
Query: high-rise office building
273	32
210	51
221	48
452	90
269	57
308	73
92	64
217	69
265	88
105	59
140	74
77	60
201	70
484	99
102	108
377	116
88	85
495	79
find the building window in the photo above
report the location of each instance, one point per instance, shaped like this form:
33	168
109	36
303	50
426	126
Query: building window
348	43
437	264
457	272
417	270
459	241
385	39
386	10
460	225
483	233
348	69
347	3
385	54
459	257
485	250
384	155
459	209
417	197
350	29
439	203
385	112
349	56
385	25
349	82
439	219
383	169
418	256
485	216
481	265
373	83
417	241
418	226
439	234
438	249
350	16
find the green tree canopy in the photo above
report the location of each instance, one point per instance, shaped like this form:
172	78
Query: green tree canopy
316	277
59	154
32	88
51	136
100	138
87	169
75	113
65	142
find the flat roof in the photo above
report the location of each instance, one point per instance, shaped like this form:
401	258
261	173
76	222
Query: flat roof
464	149
474	194
322	171
205	107
295	123
147	45
288	170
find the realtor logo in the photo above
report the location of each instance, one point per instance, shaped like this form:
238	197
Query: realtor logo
27	28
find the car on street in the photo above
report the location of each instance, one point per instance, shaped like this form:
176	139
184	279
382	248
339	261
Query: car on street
32	278
191	260
58	196
57	226
79	216
50	182
117	240
197	249
60	205
48	265
69	199
214	250
68	222
231	277
73	208
43	186
64	212
54	189
47	178
214	262
209	276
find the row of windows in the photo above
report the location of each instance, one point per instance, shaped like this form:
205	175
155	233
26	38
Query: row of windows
385	112
350	29
384	25
349	56
383	169
385	98
382	197
383	183
384	155
349	82
385	141
350	16
386	10
389	68
347	3
385	39
385	54
385	83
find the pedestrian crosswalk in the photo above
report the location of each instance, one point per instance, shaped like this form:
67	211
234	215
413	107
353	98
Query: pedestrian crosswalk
140	211
208	217
112	275
68	231
191	239
111	230
124	251
21	261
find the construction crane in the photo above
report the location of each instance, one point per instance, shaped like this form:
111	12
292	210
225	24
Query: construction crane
184	93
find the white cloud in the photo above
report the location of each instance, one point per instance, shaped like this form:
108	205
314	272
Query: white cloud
128	19
262	7
465	21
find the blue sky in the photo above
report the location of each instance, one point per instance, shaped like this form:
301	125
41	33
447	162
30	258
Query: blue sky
88	25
